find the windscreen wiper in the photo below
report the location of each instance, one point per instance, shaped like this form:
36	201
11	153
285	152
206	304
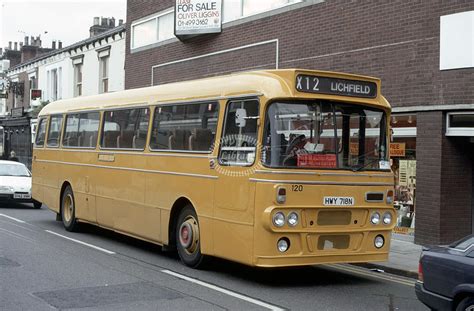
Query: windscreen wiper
357	169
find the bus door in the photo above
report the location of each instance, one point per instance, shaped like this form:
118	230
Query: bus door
234	194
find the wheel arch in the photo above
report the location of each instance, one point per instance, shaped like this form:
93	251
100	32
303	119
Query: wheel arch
178	205
462	291
63	188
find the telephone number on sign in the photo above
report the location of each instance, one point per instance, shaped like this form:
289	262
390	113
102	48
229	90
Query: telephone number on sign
193	22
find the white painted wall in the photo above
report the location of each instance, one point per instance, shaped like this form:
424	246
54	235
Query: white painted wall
62	64
90	68
457	41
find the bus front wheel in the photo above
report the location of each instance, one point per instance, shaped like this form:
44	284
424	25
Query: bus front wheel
187	237
68	210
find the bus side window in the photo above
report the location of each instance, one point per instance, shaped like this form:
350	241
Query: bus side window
239	139
81	130
125	129
54	131
41	133
88	129
187	127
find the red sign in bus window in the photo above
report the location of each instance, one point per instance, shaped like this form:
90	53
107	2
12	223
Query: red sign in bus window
317	160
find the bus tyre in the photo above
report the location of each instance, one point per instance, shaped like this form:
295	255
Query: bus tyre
68	210
466	304
187	237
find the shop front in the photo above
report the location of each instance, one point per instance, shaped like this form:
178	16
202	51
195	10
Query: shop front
403	162
17	138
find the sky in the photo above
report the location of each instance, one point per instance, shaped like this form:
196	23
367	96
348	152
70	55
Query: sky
65	20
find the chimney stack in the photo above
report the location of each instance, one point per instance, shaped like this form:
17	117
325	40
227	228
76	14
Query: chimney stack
100	25
60	45
38	41
120	22
1	51
21	45
16	46
26	40
9	45
54	45
32	40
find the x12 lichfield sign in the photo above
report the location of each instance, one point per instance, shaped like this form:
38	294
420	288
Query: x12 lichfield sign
196	17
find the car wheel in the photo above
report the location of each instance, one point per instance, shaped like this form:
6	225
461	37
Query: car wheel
467	304
37	204
187	237
68	210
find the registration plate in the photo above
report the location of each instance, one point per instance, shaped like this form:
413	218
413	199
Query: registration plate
22	196
338	201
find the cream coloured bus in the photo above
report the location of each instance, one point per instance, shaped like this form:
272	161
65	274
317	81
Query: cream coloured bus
266	168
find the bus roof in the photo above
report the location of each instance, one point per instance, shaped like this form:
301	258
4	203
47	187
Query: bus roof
269	83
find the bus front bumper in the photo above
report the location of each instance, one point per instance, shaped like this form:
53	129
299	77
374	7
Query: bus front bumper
307	260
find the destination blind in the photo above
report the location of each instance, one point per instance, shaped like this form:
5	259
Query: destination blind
333	86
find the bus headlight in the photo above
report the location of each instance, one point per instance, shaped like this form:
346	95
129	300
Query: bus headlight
279	219
283	245
387	218
379	241
375	218
292	219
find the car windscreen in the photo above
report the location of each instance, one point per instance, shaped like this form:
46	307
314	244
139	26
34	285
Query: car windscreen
14	170
464	243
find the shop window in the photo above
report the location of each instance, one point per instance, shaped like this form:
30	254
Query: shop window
403	160
403	125
460	124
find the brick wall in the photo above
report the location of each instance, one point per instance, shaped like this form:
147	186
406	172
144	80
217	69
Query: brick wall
444	182
428	176
456	190
397	41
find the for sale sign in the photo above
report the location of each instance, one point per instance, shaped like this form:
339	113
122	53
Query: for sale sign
195	17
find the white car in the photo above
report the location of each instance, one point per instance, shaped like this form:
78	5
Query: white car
15	183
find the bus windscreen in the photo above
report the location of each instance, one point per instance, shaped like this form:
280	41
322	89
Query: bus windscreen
324	135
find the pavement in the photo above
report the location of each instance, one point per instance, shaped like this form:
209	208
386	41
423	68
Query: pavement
403	258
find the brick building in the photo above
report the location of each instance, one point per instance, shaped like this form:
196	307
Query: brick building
415	47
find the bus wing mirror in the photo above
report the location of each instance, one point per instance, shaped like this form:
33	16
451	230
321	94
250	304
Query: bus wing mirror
240	117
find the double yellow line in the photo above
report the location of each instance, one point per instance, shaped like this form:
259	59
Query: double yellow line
372	274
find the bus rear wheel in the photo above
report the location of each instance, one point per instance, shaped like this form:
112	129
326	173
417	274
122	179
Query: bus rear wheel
68	210
187	237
